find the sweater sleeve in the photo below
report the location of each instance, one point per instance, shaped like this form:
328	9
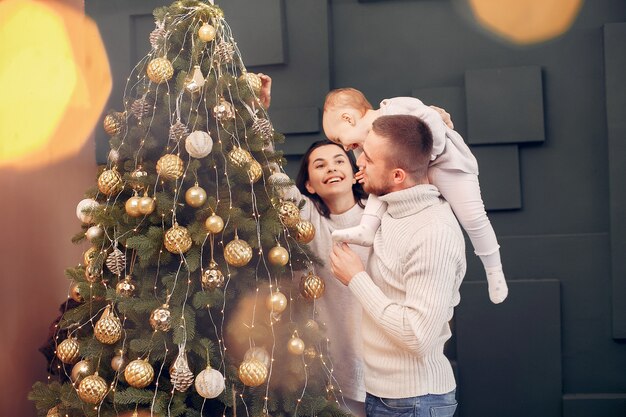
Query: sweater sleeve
430	274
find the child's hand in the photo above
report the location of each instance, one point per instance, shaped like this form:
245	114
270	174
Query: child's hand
445	116
359	176
266	90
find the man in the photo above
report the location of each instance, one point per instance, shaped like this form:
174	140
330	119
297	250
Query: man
411	285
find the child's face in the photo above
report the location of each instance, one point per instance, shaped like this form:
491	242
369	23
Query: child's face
344	127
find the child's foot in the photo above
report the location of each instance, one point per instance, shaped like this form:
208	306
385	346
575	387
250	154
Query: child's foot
359	235
498	290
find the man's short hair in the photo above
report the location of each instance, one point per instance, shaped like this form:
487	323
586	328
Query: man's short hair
410	143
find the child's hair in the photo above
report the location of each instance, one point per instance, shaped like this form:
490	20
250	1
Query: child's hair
303	177
347	97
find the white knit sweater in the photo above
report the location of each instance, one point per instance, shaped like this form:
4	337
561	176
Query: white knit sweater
408	295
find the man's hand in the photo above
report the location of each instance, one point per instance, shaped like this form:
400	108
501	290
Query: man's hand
345	263
445	116
266	90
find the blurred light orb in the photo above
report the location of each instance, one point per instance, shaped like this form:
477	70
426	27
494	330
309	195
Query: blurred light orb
526	21
54	78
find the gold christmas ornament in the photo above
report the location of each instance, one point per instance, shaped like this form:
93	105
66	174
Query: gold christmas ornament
81	370
214	223
312	286
198	144
75	293
94	233
206	33
85	209
108	328
93	273
160	70
161	318
253	80
137	178
68	351
178	131
276	302
305	231
147	205
209	383
116	261
180	374
90	254
110	182
289	213
239	157
255	171
195	196
237	252
278	255
170	167
330	392
53	412
259	353
312	326
177	239
212	277
223	110
252	372
139	373
118	362
125	288
132	206
92	389
113	123
295	346
195	81
310	353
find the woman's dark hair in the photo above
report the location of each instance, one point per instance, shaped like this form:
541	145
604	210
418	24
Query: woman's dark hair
303	177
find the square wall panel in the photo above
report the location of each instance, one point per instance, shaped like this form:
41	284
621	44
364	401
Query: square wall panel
499	176
504	105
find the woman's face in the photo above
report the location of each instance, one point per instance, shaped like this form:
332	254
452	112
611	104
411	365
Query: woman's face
330	173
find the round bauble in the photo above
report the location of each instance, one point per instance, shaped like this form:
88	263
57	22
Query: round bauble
137	179
170	167
114	156
239	157
259	353
108	328
276	302
255	171
289	213
253	80
209	383
214	224
223	110
198	144
206	33
126	287
68	351
278	256
94	233
161	319
118	362
195	196
312	286
132	206
92	389
110	182
146	205
295	346
160	70
139	373
177	239
85	209
310	353
279	179
305	231
54	412
75	293
113	123
252	372
93	273
237	252
81	370
90	254
212	278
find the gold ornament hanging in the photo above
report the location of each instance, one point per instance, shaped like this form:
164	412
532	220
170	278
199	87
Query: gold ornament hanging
276	302
330	392
81	370
110	182
68	351
116	261
161	318
255	171
212	277
94	233
54	412
160	70
90	255
289	213
210	383
75	293
195	196
113	123
132	206
108	329
93	273
278	255
239	157
177	239
312	286
310	353
214	223
237	252
206	33
139	373
253	80
223	110
125	288
180	374
252	372
92	389
147	205
312	326
305	231
118	362
170	167
295	346
138	178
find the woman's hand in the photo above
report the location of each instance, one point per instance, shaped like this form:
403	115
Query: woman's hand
266	90
345	263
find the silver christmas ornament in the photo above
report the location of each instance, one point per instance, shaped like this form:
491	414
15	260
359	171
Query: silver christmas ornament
180	374
116	261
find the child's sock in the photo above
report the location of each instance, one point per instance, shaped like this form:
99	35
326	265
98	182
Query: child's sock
363	234
498	290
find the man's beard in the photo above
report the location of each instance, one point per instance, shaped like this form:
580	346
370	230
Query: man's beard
377	190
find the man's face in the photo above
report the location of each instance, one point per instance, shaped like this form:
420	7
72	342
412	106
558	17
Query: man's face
377	177
344	128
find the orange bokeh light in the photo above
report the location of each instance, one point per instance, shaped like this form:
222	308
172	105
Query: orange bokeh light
55	80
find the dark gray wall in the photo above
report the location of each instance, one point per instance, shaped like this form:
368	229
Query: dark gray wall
547	124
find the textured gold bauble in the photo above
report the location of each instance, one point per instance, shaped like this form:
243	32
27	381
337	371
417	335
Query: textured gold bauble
132	206
295	346
195	196
161	319
81	370
312	286
212	278
54	412
93	273
177	239
289	213
214	224
146	205
125	288
312	326
113	123
305	231
252	372
206	33
170	167
137	179
110	182
92	389
310	353
255	171
90	254
253	80
278	256
118	362
108	329
75	293
139	373
237	252
223	110
276	302
239	157
68	351
160	70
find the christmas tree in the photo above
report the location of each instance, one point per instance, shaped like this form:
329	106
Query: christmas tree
197	294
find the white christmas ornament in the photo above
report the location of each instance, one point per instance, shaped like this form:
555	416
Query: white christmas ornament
199	144
196	81
209	383
114	156
85	208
